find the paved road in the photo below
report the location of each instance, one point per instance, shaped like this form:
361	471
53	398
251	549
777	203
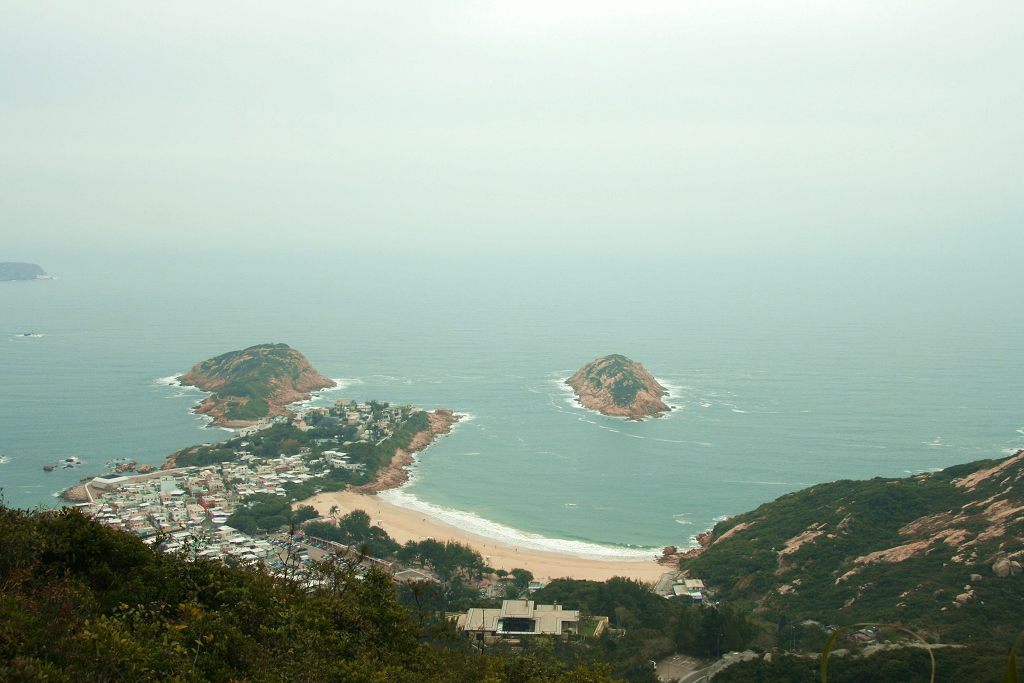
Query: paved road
706	673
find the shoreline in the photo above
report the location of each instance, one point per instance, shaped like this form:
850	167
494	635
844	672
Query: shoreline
396	474
406	524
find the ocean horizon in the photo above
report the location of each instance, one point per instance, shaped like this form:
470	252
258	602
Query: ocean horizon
779	380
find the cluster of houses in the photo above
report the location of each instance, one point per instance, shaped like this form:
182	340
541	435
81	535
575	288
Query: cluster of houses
193	502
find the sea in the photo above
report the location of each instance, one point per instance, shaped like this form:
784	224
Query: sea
781	375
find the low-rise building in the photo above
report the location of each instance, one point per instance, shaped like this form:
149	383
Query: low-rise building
518	618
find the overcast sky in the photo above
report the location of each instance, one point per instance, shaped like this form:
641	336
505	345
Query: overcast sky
675	127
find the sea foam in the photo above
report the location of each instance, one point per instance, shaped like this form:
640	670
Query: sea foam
472	523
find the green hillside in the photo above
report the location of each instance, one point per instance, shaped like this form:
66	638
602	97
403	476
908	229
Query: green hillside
252	383
81	602
938	552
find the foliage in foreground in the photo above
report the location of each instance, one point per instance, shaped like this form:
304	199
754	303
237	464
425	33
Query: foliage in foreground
978	664
79	601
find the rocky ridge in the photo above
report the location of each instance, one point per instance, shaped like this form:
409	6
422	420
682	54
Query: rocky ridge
942	551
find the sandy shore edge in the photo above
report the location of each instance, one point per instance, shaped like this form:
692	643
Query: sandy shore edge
404	524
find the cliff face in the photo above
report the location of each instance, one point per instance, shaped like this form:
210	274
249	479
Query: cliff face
253	383
941	552
617	386
21	271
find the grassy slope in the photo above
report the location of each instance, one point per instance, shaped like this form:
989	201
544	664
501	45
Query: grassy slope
860	517
249	374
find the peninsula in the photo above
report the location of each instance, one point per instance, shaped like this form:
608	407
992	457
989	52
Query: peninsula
617	386
253	384
11	271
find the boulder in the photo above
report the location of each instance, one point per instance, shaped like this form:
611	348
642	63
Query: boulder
1006	567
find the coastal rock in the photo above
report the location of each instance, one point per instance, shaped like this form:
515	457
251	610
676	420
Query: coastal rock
396	473
617	386
254	383
76	494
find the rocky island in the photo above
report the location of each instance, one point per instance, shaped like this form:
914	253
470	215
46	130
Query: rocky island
11	271
252	384
617	386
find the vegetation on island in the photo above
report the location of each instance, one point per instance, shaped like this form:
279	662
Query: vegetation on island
617	374
10	271
617	386
254	383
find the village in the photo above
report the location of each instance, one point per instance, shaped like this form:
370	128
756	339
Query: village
188	510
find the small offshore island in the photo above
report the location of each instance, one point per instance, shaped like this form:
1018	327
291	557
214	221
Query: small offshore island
283	455
12	271
253	384
619	387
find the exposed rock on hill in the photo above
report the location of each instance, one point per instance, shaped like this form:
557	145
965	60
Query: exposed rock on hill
253	383
617	386
940	552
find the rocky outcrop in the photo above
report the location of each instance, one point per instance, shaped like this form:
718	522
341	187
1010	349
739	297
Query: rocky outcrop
254	383
617	386
1005	567
397	473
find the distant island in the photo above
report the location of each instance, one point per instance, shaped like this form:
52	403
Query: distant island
617	386
253	384
11	271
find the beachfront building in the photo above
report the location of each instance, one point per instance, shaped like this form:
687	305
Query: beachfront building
517	618
690	588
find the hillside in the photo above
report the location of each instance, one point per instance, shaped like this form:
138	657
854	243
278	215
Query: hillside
940	552
82	602
253	383
617	386
20	271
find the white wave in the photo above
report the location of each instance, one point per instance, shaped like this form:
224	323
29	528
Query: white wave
170	381
472	523
341	383
674	390
1021	430
722	518
4	460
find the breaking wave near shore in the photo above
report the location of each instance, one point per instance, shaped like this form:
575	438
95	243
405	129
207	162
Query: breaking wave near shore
472	523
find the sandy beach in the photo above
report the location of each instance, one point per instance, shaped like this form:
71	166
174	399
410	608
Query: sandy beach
405	525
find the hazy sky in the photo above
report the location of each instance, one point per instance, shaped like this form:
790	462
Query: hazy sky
675	127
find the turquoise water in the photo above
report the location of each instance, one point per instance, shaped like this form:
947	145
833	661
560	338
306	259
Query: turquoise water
783	377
